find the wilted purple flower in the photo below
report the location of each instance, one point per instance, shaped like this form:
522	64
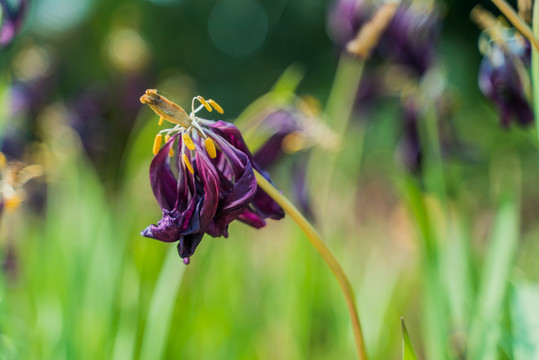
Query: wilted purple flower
287	135
288	131
504	78
409	39
215	182
345	19
11	20
409	151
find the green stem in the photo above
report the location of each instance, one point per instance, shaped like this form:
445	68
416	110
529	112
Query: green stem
338	111
535	66
326	254
161	309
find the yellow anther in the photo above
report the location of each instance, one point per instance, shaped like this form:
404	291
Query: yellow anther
294	142
210	148
188	141
3	161
157	143
188	163
204	102
13	202
161	119
171	152
216	106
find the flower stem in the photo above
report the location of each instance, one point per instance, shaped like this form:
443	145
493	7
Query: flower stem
535	66
326	254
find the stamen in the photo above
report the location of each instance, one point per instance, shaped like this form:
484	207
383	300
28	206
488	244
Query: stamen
188	163
157	143
171	152
188	141
204	102
294	142
3	161
216	106
369	34
210	148
13	202
161	119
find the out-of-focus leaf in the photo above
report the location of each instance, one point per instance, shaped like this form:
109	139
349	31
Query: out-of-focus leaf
408	352
485	329
159	318
525	321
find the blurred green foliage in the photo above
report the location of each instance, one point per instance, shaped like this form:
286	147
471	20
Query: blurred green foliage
456	256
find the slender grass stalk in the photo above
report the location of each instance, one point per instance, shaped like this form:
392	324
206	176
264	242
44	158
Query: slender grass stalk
162	306
326	254
535	66
434	180
433	171
338	110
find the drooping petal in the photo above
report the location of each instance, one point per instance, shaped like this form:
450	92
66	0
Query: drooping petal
251	218
262	202
236	192
188	244
162	180
207	174
175	224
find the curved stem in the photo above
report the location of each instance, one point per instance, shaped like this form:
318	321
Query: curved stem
326	254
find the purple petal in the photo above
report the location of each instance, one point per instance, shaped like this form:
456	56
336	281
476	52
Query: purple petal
262	201
11	20
174	224
251	218
210	180
162	179
188	244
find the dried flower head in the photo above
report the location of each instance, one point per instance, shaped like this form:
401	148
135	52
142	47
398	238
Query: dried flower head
504	74
215	182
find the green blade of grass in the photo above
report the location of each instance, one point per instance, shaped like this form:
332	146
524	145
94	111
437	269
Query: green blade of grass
162	306
525	321
408	352
485	329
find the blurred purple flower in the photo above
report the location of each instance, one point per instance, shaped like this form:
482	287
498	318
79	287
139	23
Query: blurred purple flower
12	20
283	127
211	189
504	79
409	39
288	131
409	150
345	19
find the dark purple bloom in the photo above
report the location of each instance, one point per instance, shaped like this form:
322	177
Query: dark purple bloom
345	19
409	151
211	182
278	125
11	20
409	39
504	79
289	131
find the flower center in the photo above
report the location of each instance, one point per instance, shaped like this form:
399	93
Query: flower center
186	125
